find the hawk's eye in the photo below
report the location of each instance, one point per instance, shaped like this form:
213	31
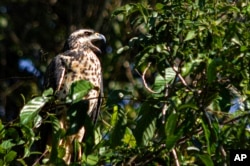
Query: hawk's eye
87	33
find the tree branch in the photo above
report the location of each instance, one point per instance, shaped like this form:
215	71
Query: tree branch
177	163
143	78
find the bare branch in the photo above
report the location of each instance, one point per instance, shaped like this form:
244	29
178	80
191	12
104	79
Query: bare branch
177	163
143	78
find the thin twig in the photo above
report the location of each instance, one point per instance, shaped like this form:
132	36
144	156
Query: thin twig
181	78
37	161
143	78
177	163
165	106
223	153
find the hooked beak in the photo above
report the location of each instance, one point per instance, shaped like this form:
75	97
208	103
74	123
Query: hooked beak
97	36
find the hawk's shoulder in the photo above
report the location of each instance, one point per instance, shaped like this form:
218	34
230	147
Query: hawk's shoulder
54	73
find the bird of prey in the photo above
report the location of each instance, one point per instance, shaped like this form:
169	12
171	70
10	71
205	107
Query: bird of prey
78	61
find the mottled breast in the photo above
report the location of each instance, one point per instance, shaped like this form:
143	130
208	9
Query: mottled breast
81	64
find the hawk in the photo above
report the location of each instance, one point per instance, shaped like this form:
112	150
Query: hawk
78	61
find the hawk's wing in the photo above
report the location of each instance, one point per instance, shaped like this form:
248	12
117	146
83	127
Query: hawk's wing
96	109
54	74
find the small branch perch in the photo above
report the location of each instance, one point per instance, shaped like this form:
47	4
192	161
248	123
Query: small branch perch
143	78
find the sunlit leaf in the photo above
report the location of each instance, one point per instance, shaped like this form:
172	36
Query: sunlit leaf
119	128
236	40
191	35
129	138
159	6
122	49
92	159
47	92
31	109
162	81
7	144
79	89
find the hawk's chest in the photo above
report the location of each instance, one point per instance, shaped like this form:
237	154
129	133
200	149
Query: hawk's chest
84	66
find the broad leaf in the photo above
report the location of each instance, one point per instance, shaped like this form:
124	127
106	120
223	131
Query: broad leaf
79	89
191	34
29	113
10	156
162	81
118	122
146	124
212	69
129	138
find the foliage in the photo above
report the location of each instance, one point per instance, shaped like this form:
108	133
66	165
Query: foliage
198	53
192	59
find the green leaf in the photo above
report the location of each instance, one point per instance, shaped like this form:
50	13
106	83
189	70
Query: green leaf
171	124
144	55
29	134
159	6
206	159
57	134
1	127
191	35
28	114
212	69
236	40
171	140
207	135
122	49
129	138
92	159
170	127
47	92
114	117
10	156
146	124
243	48
119	126
173	130
79	89
7	144
187	106
162	81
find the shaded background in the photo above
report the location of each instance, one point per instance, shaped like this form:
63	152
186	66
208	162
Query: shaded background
32	32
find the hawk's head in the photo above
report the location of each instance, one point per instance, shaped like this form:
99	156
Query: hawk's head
84	38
